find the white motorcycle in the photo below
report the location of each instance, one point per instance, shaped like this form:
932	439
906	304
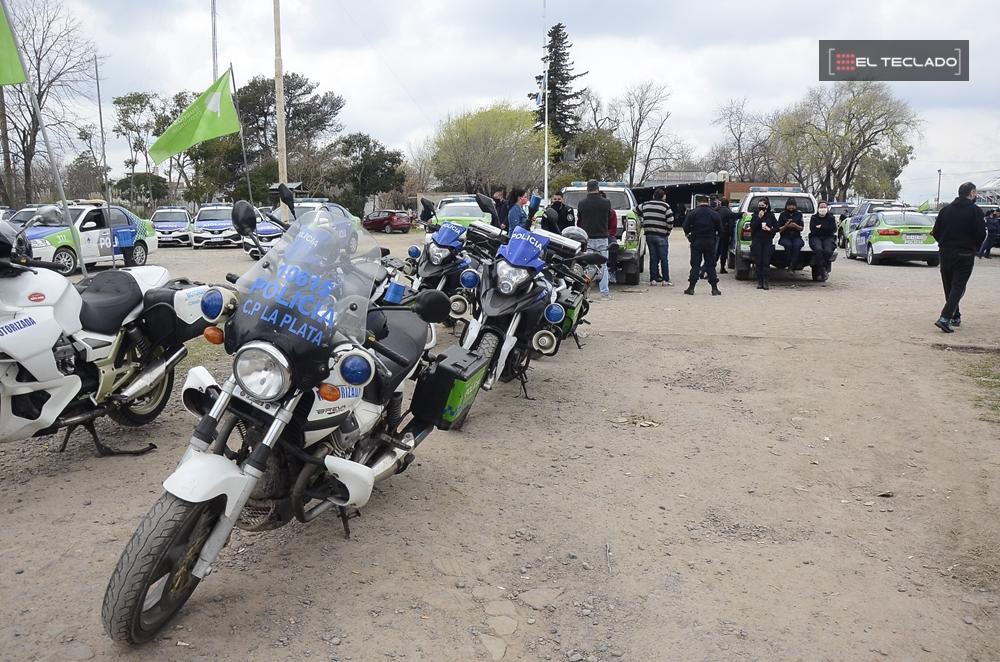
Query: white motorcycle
105	347
311	418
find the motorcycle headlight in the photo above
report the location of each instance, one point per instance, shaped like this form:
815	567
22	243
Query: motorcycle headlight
438	254
39	243
262	371
509	277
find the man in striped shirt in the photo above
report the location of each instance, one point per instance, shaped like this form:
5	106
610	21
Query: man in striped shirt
657	222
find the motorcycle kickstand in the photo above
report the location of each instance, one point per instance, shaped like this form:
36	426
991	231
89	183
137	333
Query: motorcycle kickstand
524	386
344	517
102	450
576	339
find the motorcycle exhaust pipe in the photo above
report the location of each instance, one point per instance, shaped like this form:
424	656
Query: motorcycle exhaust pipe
459	306
389	463
544	341
77	419
150	376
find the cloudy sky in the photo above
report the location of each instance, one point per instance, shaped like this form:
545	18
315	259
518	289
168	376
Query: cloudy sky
404	65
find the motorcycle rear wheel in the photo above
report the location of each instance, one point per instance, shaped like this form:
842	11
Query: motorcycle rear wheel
488	346
145	409
153	579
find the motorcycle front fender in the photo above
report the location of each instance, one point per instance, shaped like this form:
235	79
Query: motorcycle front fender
202	477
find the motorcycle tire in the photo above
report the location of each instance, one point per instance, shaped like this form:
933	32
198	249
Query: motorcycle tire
151	558
514	367
144	410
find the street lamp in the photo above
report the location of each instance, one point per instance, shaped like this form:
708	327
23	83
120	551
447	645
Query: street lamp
937	200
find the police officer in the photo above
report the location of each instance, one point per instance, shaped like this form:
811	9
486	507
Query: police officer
822	239
702	226
790	226
762	229
726	238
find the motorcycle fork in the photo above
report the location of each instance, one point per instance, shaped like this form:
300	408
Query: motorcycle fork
253	468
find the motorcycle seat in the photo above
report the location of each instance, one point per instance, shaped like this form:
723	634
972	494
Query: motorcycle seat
108	298
407	336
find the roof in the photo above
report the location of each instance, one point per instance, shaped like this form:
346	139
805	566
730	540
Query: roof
295	186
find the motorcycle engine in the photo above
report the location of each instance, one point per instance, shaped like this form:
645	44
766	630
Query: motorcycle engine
269	506
65	355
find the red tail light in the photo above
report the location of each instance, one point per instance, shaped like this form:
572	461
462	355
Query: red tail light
888	232
745	234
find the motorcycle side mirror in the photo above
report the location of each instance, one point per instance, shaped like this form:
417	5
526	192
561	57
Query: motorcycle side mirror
385	251
592	259
486	205
433	306
426	210
244	218
287	197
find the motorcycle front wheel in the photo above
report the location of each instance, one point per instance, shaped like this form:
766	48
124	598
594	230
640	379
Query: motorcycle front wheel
153	579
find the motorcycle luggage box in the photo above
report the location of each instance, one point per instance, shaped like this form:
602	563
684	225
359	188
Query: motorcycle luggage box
448	387
172	313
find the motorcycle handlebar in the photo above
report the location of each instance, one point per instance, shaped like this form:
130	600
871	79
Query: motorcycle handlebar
389	353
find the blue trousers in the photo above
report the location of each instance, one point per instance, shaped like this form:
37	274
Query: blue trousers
659	264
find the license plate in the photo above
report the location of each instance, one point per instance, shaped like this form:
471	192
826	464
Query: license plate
216	241
915	238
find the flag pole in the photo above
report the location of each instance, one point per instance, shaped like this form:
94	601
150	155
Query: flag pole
48	145
243	144
104	157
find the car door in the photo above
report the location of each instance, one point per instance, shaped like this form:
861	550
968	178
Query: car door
120	221
865	231
95	235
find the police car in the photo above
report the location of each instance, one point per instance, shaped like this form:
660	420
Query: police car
631	252
267	234
52	239
173	225
739	252
213	226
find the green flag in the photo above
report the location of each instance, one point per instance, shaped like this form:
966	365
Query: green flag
11	72
924	206
210	116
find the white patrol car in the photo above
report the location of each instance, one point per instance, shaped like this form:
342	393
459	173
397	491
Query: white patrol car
739	252
173	225
213	226
631	241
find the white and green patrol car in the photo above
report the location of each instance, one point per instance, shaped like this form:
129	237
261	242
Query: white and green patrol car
631	255
52	240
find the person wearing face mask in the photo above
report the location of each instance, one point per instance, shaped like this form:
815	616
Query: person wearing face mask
502	208
790	226
762	230
823	239
565	218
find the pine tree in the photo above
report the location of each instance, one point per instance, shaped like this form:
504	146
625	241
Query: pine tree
564	120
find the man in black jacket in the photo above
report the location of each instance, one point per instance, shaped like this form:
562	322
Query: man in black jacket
728	217
592	215
960	230
702	227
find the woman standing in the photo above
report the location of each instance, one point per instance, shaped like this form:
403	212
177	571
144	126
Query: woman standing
822	239
517	216
790	226
762	229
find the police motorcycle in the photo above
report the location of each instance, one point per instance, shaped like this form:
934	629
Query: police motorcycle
72	354
444	263
315	399
519	301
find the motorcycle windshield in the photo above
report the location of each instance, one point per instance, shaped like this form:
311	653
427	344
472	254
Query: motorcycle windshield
312	285
524	249
449	235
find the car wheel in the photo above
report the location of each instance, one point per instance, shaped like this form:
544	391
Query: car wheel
870	256
139	254
66	259
352	246
387	228
933	261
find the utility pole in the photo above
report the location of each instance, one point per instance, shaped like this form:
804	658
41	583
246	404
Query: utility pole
215	48
104	156
279	96
937	200
545	83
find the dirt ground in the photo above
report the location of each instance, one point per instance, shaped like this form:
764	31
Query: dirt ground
808	473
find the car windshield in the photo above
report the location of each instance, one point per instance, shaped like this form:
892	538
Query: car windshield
803	204
169	217
316	281
50	216
908	219
619	199
460	210
215	214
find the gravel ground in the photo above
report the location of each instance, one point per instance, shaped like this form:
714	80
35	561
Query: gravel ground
801	474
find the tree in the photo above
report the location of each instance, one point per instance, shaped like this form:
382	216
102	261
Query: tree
878	173
366	167
135	119
642	121
60	65
85	176
745	149
600	155
564	103
310	118
142	188
495	147
167	111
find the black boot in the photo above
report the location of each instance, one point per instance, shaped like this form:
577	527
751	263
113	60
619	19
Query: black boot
716	292
690	289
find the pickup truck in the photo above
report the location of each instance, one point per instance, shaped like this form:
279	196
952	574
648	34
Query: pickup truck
739	252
